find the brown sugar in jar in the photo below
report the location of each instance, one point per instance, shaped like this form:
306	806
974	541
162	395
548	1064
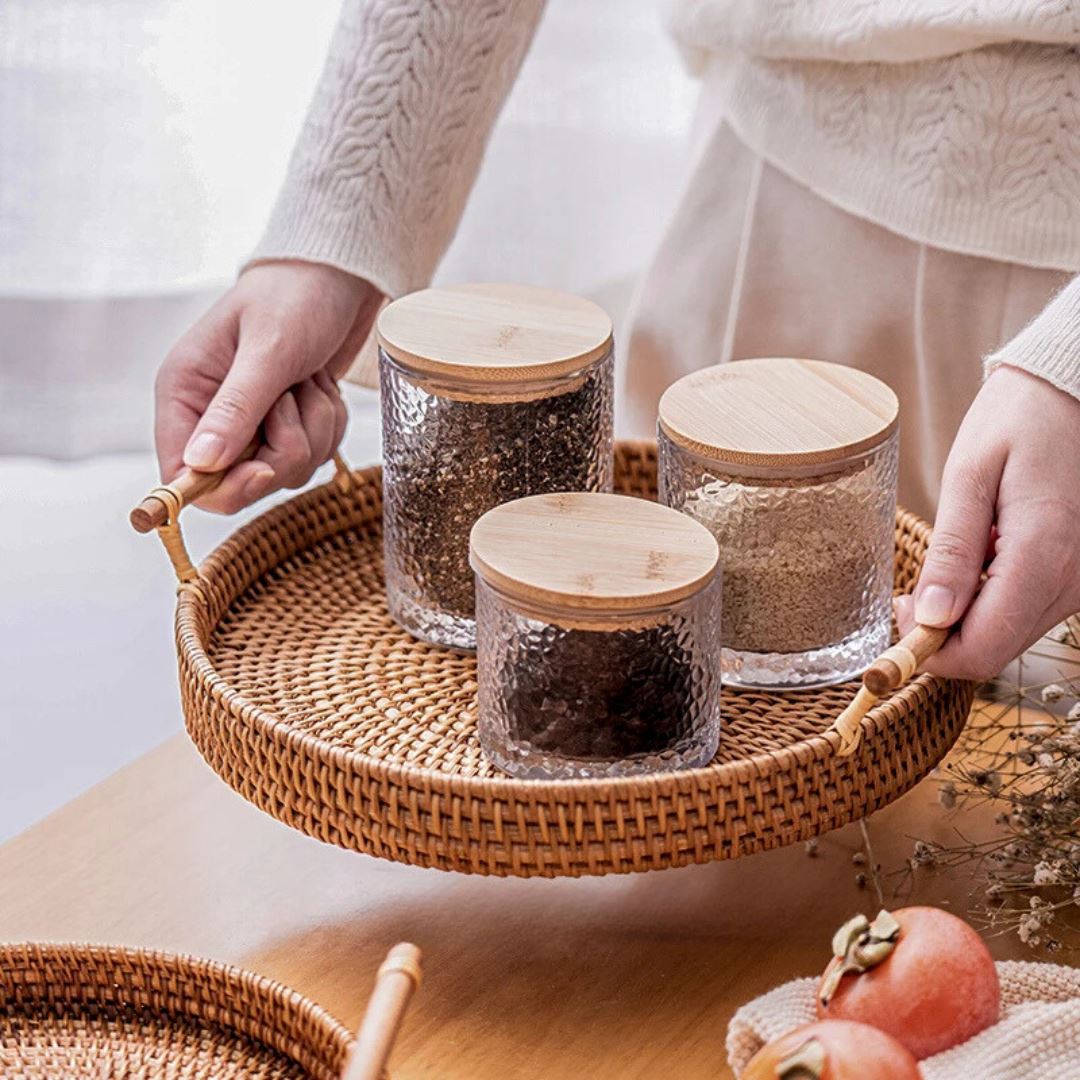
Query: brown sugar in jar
791	465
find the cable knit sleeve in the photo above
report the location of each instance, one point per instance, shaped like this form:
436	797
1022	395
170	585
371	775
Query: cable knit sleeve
395	134
1049	346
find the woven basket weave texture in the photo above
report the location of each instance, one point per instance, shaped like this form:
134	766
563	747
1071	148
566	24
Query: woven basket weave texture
301	692
100	1011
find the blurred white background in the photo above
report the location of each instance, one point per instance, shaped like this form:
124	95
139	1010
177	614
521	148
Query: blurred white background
141	145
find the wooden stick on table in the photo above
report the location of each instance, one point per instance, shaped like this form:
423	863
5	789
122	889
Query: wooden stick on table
398	978
888	672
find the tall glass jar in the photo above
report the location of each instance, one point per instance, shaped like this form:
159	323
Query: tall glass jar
598	637
791	465
489	393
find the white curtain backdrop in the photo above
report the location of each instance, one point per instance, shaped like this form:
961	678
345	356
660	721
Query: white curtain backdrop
142	142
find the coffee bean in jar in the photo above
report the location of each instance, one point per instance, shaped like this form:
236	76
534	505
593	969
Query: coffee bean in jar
791	465
489	393
597	637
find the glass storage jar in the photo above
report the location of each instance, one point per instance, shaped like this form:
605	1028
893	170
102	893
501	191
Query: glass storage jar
597	637
489	393
791	465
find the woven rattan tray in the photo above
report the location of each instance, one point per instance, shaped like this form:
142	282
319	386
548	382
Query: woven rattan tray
98	1011
306	698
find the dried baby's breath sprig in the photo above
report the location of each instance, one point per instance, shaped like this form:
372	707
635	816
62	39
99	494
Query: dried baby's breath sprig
1021	754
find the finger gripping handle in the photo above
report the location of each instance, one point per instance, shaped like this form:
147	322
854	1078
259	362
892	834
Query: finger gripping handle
160	509
163	504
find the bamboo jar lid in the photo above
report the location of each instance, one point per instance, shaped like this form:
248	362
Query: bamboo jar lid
778	411
593	552
494	333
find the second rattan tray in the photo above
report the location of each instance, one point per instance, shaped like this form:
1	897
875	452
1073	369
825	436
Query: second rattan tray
99	1011
301	692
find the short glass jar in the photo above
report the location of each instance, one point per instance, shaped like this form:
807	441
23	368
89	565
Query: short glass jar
598	621
489	393
791	465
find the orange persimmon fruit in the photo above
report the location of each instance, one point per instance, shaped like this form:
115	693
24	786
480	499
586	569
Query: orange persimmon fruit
832	1050
920	974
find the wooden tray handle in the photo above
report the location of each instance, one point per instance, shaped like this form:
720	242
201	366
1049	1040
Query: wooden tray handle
160	509
888	672
397	981
896	665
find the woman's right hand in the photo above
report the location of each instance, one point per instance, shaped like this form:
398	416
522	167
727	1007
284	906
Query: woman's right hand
268	354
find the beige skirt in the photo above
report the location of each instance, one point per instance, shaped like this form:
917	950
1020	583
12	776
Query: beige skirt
755	264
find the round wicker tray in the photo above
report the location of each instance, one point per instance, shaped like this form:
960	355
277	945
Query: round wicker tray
307	699
99	1011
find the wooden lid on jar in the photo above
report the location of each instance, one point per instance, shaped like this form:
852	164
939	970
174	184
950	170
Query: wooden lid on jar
593	552
494	333
778	411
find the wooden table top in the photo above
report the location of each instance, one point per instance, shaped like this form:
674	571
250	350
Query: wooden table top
609	977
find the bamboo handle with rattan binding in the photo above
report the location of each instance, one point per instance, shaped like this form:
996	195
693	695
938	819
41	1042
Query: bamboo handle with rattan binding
888	672
160	509
154	510
397	981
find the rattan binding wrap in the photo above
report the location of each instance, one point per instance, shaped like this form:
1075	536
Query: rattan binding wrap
305	697
100	1011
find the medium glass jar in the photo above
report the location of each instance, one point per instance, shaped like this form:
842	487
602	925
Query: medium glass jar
489	393
791	465
597	637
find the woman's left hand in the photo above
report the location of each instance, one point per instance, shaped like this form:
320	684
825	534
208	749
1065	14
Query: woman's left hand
1010	494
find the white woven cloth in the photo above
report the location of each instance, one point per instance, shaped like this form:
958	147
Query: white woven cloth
1037	1038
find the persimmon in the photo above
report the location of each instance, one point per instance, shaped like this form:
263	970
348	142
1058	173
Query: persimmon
920	974
832	1050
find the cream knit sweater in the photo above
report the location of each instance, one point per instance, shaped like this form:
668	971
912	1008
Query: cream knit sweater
955	123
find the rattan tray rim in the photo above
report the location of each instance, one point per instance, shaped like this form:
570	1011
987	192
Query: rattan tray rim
823	745
383	759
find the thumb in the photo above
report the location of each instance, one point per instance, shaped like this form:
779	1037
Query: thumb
954	561
260	373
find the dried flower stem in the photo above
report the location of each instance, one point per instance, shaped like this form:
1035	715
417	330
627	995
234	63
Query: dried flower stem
875	874
1021	754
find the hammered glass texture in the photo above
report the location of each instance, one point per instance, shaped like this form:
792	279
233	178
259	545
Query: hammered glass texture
806	562
557	702
448	461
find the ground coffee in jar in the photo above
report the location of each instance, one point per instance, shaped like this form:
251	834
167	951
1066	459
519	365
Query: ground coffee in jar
489	393
598	648
791	465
